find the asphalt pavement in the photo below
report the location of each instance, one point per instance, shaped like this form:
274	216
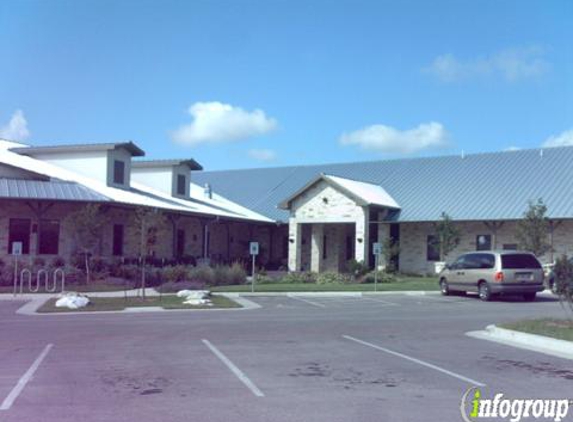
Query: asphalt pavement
372	358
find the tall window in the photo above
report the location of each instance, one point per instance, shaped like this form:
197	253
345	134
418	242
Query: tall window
180	243
49	232
483	242
324	251
118	172
19	231
181	182
285	247
432	248
117	240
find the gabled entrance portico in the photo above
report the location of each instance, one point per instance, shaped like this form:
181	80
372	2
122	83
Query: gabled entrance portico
332	216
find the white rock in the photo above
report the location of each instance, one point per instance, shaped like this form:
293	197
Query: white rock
196	294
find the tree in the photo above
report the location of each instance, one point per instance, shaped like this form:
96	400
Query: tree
563	279
532	230
447	234
149	225
87	225
390	250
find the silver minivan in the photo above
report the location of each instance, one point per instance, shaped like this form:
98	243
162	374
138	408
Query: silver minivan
494	272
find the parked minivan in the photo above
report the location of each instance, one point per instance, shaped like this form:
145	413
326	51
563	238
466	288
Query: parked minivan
494	272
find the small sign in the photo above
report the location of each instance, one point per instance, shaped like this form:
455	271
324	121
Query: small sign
254	248
17	248
377	249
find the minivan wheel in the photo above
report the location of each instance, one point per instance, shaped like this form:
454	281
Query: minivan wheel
529	297
484	292
444	288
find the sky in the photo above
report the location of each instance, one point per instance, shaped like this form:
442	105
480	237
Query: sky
256	83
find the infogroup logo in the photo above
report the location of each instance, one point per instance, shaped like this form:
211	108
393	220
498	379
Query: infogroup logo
474	406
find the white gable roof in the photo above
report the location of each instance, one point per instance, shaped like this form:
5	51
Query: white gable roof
362	193
369	193
138	194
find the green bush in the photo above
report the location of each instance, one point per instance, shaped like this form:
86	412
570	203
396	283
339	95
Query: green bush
263	279
298	277
203	274
175	273
383	277
332	278
356	268
563	271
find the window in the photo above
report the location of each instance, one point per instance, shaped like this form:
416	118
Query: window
117	239
285	247
349	248
517	261
477	261
181	182
483	242
180	243
432	248
49	232
118	172
324	251
19	232
510	246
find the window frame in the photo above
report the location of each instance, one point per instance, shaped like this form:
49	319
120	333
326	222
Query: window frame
432	250
45	247
118	170
488	238
180	187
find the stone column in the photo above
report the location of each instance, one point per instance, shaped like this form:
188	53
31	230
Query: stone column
294	245
362	238
316	248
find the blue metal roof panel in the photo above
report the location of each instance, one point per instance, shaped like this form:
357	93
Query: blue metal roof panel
34	189
486	186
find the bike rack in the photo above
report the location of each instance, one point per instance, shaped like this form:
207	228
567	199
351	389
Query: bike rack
42	277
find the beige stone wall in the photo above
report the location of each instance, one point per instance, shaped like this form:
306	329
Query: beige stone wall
322	202
413	242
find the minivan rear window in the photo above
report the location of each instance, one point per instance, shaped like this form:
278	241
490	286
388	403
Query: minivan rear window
518	261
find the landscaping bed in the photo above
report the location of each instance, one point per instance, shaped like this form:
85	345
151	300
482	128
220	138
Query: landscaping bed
119	303
556	328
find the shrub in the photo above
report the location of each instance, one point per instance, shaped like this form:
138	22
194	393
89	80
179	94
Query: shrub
58	262
171	287
563	271
237	274
203	274
356	268
383	277
39	262
263	279
296	277
175	273
331	278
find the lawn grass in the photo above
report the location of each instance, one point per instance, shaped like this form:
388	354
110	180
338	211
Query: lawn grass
119	303
557	328
403	284
96	286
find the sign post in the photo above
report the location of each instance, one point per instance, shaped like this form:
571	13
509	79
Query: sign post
376	251
16	252
254	251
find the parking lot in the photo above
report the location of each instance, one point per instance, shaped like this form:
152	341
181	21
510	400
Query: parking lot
307	358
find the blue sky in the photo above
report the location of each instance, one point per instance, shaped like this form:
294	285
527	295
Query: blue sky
268	82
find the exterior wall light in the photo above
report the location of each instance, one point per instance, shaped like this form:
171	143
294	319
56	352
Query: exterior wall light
359	240
291	240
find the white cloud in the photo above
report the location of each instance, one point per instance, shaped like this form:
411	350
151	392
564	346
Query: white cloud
388	139
561	140
16	129
215	122
511	64
262	154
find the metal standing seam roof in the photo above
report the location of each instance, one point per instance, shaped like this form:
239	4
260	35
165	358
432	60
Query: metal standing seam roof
191	163
485	186
54	190
52	149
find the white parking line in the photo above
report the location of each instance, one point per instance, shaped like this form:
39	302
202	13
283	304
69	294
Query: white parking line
238	373
381	301
418	361
320	305
19	387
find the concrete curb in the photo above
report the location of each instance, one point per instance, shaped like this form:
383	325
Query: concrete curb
31	308
533	342
331	294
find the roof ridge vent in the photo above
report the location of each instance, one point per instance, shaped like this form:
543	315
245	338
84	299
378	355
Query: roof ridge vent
463	154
